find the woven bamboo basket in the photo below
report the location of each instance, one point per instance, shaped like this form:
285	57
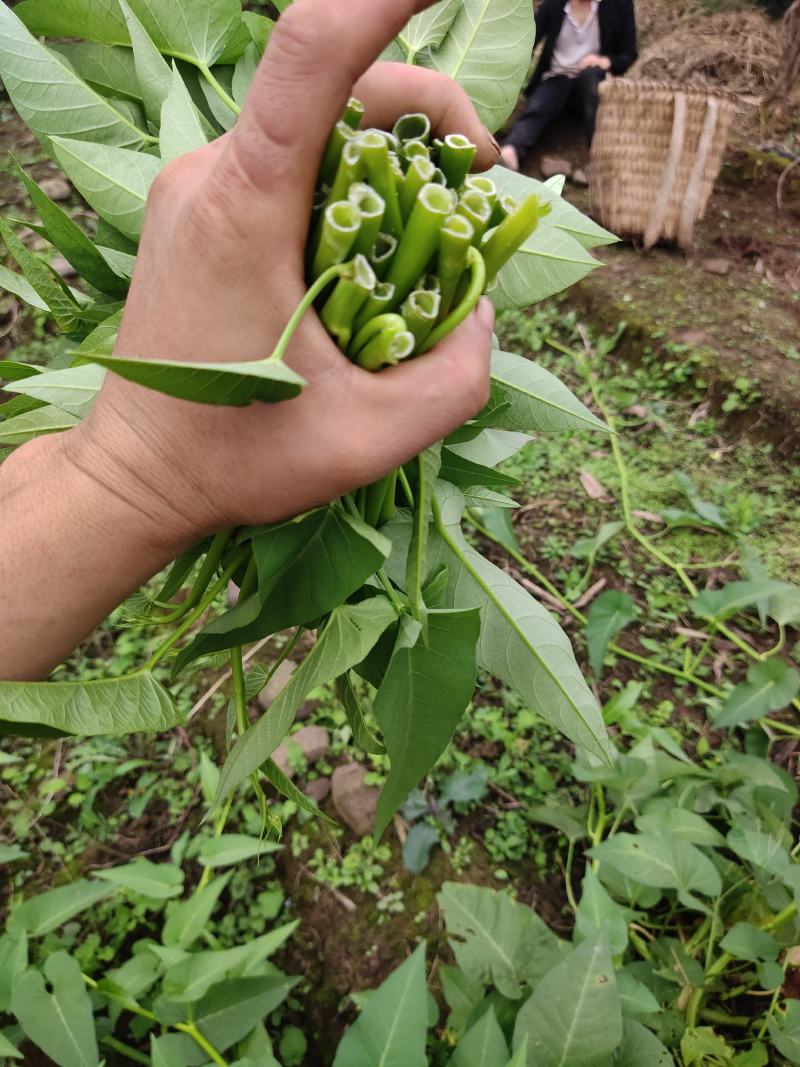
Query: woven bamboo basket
656	154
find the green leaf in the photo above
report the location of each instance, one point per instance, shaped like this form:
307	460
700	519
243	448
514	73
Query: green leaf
350	633
487	50
635	997
20	287
563	215
549	262
574	1014
114	181
392	1029
194	30
114	706
46	284
71	241
588	547
244	72
110	71
73	390
95	20
538	400
230	384
429	28
464	473
49	95
11	853
520	642
260	29
489	447
286	787
426	689
609	613
483	1045
363	737
783	606
462	995
181	129
306	567
60	1023
190	979
176	1050
747	942
763	852
732	598
495	939
36	423
770	686
152	70
661	860
228	849
662	814
187	919
229	1011
156	881
641	1048
498	524
599	915
706	511
419	842
428	466
7	1050
13	962
700	1045
785	1033
102	338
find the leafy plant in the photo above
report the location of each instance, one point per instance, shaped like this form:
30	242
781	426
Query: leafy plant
387	579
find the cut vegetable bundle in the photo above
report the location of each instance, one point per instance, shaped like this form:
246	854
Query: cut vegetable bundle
409	240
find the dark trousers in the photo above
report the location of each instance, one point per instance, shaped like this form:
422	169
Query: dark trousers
548	102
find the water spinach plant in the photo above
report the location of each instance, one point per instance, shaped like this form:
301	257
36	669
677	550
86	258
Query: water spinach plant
403	241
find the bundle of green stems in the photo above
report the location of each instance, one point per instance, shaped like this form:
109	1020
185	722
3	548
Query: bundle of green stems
410	240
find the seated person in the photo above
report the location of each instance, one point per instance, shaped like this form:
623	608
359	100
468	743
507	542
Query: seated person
583	40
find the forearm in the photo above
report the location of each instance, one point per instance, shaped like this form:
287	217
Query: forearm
72	550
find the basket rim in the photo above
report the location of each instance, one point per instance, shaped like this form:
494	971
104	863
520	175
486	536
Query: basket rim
664	89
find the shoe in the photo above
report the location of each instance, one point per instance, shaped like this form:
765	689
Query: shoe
580	176
509	157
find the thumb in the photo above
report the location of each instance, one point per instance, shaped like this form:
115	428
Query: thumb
412	406
317	52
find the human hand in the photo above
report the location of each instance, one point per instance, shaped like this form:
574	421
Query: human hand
219	272
592	60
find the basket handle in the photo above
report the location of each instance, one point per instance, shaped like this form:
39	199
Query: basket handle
658	212
691	204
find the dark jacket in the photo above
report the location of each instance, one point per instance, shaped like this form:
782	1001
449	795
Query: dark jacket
617	34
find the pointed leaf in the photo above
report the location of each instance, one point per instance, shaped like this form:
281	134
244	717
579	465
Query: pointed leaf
181	130
588	547
661	860
61	1023
49	910
24	427
227	849
95	20
417	846
429	28
229	1011
73	390
641	1048
538	400
244	72
574	1015
20	287
549	262
13	961
186	919
72	242
497	940
487	50
598	915
193	30
362	735
286	787
609	613
732	598
114	181
49	95
48	286
109	70
520	642
392	1029
762	851
483	1045
156	881
152	70
490	447
770	686
102	339
351	632
464	473
113	706
423	696
7	1050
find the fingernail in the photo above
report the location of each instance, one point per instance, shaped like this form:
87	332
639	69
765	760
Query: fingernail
493	139
485	313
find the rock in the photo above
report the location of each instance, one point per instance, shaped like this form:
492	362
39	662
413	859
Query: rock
62	267
719	266
318	790
355	802
313	741
56	188
580	177
551	165
275	684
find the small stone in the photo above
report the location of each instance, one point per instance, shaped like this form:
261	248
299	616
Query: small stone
580	177
313	741
318	790
355	802
56	188
275	684
551	165
62	267
719	266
